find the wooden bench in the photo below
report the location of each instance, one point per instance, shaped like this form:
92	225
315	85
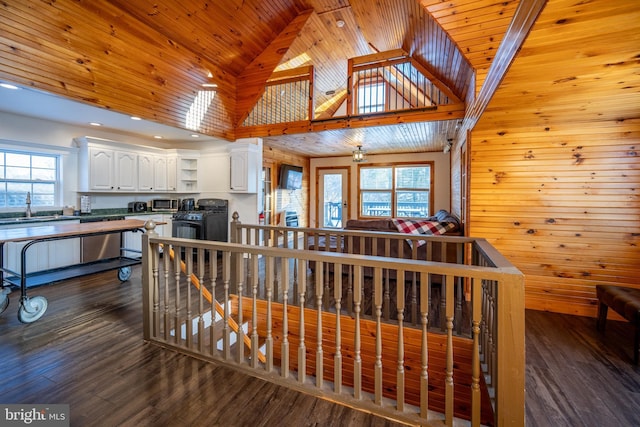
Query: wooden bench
626	302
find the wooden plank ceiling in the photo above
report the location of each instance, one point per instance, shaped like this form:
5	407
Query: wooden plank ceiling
150	58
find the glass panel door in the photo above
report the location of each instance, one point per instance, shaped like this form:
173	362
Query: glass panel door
333	197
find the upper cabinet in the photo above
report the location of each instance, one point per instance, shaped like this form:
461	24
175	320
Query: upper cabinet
244	167
108	166
108	169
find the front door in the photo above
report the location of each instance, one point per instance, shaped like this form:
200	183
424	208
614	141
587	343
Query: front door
333	197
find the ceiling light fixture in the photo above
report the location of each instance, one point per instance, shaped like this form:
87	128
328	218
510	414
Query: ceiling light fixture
157	137
135	118
340	23
359	155
95	124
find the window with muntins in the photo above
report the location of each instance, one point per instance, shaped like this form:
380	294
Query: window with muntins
22	173
396	191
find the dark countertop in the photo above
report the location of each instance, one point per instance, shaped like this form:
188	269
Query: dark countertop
49	216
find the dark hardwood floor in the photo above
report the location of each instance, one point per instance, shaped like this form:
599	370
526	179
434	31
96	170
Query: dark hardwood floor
87	351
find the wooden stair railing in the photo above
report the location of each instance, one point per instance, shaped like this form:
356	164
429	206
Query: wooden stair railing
219	309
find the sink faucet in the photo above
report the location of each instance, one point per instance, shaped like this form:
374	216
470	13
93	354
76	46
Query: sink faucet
28	212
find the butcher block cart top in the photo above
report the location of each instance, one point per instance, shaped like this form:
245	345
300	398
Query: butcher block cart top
32	308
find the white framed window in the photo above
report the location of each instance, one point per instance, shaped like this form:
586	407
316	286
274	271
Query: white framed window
396	191
28	172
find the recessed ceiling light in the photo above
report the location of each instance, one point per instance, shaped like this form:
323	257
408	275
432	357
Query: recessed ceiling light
339	23
9	86
157	137
135	118
95	124
330	92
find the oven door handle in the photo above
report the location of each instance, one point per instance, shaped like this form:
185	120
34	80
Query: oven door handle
184	222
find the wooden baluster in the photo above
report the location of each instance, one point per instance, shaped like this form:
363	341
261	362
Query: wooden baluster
201	312
213	274
269	267
226	331
414	285
189	272
319	353
424	347
176	314
400	363
240	337
255	339
337	359
386	277
493	334
167	319
357	361
349	283
377	301
155	262
284	349
476	315
296	245
448	411
302	350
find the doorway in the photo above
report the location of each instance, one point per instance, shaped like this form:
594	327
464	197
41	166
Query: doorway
333	197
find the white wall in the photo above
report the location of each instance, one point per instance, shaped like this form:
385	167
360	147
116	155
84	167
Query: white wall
442	177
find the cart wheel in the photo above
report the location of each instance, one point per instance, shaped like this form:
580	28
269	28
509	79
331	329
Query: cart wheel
4	301
31	309
124	273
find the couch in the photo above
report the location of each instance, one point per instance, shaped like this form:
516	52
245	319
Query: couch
387	225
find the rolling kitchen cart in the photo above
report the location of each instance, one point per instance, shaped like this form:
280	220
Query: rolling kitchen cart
32	308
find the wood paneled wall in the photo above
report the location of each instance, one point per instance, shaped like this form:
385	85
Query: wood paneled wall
562	206
555	160
273	158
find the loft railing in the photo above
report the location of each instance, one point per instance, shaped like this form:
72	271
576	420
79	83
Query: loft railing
317	337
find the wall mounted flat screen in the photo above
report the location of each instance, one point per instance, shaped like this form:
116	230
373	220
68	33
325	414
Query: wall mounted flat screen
290	177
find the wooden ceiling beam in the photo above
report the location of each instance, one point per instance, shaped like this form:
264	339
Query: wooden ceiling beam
438	113
251	82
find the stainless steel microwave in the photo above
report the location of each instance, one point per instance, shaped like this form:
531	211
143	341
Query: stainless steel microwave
164	205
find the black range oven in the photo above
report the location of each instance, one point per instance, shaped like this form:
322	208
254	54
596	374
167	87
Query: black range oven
209	222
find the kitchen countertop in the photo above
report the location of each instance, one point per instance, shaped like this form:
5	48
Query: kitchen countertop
54	216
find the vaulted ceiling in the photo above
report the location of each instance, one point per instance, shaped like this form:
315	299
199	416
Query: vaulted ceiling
151	58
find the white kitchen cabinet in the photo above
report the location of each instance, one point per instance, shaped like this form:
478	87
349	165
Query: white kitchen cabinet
108	170
42	255
110	166
172	173
146	172
126	171
101	168
160	173
244	168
